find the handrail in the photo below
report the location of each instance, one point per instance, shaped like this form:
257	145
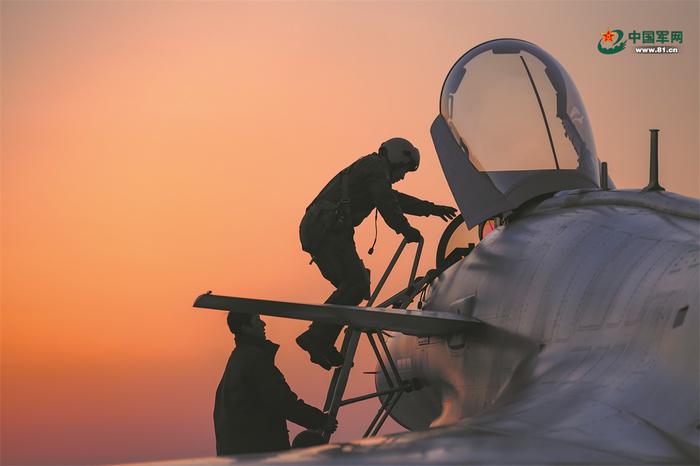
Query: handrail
390	267
416	259
334	399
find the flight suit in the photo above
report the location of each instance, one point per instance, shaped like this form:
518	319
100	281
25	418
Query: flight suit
330	241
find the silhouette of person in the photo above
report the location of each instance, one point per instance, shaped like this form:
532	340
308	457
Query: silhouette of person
253	401
327	229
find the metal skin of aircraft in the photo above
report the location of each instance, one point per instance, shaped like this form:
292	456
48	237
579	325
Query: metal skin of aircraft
569	334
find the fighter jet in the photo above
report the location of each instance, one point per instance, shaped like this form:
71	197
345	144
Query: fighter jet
567	333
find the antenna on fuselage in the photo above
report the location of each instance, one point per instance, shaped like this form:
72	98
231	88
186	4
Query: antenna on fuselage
604	176
654	163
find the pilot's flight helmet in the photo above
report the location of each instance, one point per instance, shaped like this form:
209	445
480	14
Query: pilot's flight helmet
399	151
512	127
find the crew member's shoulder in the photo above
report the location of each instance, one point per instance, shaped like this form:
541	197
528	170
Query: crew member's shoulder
248	352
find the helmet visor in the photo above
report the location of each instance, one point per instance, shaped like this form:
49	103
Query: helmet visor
412	159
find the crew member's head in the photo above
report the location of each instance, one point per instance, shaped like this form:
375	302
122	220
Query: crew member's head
246	324
402	156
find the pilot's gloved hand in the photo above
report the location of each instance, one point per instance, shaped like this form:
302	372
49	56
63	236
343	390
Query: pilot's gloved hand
330	425
412	235
445	212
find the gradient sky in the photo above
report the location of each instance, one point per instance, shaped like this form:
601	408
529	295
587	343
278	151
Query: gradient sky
152	151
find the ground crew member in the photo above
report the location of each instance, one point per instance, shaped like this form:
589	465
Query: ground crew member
253	401
327	231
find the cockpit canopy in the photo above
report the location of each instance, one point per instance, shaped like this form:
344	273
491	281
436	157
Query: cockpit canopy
512	126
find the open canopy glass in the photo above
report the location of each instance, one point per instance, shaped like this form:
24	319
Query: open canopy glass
517	118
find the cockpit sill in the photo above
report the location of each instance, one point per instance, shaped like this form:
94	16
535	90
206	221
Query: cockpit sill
458	241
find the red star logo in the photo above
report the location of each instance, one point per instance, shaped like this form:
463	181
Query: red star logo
608	36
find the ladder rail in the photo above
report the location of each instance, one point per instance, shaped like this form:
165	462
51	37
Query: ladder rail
416	260
394	394
369	396
342	380
387	411
392	364
383	405
341	374
380	359
336	375
387	272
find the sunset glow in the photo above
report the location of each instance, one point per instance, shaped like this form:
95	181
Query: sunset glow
152	151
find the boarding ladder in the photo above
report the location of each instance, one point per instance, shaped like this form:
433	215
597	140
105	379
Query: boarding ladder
397	385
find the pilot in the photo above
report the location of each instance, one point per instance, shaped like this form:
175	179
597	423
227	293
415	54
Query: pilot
253	401
327	229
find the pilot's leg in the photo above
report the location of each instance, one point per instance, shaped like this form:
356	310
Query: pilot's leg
339	263
352	287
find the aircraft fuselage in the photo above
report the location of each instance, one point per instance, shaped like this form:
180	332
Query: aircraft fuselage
591	301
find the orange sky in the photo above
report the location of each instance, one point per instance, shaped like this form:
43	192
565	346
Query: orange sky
153	151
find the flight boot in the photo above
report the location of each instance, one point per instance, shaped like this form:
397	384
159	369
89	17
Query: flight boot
321	352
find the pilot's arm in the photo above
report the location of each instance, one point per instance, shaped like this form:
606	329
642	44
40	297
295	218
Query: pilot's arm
387	203
390	202
414	206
